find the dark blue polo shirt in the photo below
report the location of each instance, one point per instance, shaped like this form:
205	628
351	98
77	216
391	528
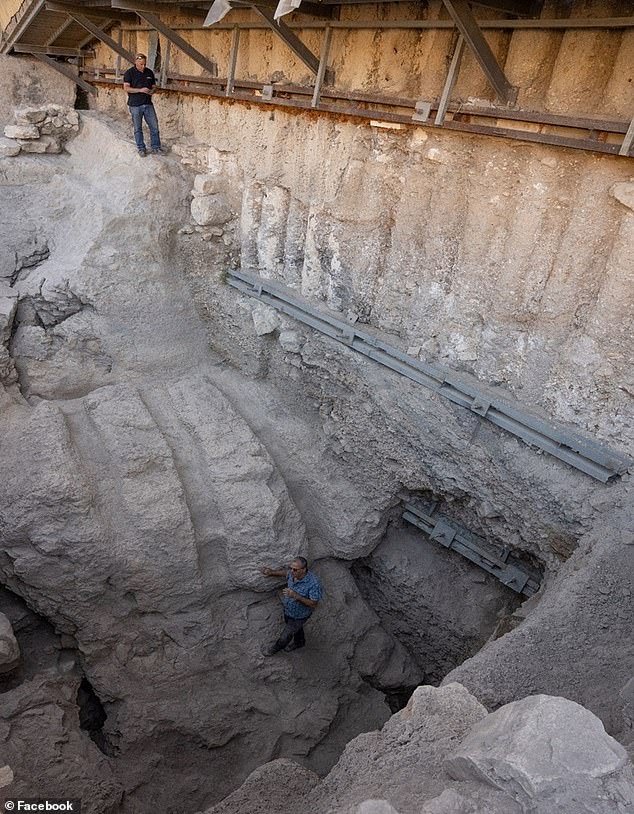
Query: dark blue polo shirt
139	79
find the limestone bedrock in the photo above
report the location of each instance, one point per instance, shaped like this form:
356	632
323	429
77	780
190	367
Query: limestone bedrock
135	487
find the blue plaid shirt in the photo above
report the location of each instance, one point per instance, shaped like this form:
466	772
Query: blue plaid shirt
308	586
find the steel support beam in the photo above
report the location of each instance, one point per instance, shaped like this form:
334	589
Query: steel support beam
289	37
169	34
596	460
466	23
66	71
499	562
97	32
452	75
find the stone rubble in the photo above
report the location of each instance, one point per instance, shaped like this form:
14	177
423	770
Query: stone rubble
443	754
43	129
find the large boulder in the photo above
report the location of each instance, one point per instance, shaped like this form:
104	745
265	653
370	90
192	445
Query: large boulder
549	754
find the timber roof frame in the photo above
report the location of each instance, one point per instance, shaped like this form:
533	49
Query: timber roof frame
61	30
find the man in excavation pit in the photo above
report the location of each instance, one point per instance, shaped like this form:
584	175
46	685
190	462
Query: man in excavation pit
300	598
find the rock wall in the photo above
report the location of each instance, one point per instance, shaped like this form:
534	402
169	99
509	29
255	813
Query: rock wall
443	754
26	82
138	504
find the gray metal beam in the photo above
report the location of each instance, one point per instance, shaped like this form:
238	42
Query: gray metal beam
501	563
66	71
97	32
596	460
289	37
168	33
466	23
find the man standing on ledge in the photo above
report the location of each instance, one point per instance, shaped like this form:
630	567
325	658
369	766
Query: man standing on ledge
300	598
138	83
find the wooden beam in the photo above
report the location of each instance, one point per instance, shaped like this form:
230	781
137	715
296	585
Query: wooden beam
20	27
95	31
463	17
153	8
521	8
289	37
58	33
169	34
66	70
233	61
452	75
51	50
627	141
90	37
74	8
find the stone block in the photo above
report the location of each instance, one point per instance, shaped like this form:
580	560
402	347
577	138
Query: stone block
8	148
208	184
21	131
548	754
624	193
291	341
265	320
375	807
29	115
210	210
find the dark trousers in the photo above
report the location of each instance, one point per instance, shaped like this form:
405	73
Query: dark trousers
293	629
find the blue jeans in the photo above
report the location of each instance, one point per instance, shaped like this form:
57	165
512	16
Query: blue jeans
148	113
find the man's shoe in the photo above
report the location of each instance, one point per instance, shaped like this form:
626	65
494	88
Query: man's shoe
159	150
270	650
292	646
142	153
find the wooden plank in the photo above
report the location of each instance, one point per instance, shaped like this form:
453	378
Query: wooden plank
169	34
96	32
463	17
290	38
66	70
20	26
58	33
51	50
627	141
452	75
